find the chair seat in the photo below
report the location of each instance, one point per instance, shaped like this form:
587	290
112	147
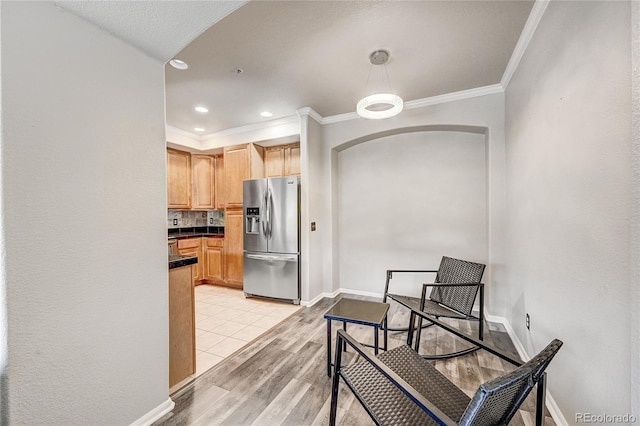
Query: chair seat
430	307
388	404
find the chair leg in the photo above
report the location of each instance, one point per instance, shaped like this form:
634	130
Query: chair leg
540	399
336	381
481	314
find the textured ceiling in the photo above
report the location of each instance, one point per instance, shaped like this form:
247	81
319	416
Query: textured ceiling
316	54
159	28
310	53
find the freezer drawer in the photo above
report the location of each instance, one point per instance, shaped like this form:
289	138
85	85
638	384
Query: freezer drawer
272	275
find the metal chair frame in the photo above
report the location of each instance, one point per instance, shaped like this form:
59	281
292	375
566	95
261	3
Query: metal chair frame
444	288
536	377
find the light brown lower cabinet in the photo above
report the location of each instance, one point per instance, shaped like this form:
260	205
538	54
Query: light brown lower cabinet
213	258
182	326
233	251
193	247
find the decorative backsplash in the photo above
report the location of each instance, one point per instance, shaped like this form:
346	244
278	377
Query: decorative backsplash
189	218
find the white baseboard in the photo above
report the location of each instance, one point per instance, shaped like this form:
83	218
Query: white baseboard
336	293
360	293
309	303
155	414
552	406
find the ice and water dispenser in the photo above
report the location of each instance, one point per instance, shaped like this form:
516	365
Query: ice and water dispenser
252	218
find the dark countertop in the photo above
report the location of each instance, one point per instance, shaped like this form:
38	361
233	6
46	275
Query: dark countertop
196	232
178	260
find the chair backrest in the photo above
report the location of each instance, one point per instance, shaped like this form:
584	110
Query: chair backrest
497	401
456	271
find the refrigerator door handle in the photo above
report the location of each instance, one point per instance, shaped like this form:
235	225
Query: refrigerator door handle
270	225
284	258
264	215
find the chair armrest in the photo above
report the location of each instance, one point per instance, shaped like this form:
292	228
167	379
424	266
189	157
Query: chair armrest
463	336
413	271
390	273
453	285
398	381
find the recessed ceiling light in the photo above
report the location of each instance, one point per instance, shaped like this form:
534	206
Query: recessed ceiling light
178	64
266	114
201	108
198	129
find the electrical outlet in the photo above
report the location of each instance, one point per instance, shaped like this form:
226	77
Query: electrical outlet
211	221
313	226
175	222
528	322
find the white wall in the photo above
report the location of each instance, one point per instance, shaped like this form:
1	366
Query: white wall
482	115
312	203
634	373
84	201
568	119
405	201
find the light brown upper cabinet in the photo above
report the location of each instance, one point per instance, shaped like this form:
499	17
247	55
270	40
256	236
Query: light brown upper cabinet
203	182
282	160
219	182
241	162
178	179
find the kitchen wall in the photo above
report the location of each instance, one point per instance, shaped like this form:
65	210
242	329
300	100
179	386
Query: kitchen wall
569	189
82	131
190	218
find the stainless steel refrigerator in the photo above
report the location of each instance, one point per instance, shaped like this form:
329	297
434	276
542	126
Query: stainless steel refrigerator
272	238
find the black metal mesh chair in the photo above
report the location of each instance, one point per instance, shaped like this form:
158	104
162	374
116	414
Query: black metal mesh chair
399	387
457	284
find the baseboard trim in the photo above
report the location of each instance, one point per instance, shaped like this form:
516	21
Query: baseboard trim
360	293
310	303
552	406
155	414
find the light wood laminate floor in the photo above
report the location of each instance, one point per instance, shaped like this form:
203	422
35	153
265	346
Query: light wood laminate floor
281	377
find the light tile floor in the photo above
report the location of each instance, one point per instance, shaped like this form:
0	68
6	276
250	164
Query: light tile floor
226	321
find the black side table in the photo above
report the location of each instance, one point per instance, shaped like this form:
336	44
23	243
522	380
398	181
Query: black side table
355	311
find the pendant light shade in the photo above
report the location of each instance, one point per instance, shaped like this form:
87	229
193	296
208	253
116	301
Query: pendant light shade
380	105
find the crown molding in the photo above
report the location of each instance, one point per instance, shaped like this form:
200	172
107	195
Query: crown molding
455	96
175	132
529	29
419	103
292	119
311	113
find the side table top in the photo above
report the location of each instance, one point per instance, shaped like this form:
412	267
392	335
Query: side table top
358	311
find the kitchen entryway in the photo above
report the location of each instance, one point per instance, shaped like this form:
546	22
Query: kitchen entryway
226	321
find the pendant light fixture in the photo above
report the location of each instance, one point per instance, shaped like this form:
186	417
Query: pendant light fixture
380	105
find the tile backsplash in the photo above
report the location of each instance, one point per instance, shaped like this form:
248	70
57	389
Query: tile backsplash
189	218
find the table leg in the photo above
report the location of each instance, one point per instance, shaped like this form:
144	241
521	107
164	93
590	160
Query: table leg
344	327
329	347
375	339
385	333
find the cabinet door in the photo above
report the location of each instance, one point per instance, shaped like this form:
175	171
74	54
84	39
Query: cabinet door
219	182
233	251
182	329
236	170
203	182
193	247
274	161
213	260
178	179
292	162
